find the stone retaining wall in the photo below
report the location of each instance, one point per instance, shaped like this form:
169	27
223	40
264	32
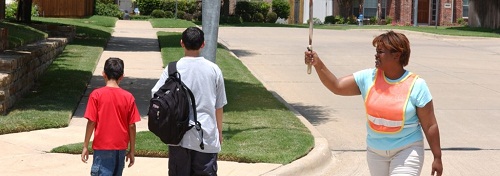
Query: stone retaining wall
20	68
4	41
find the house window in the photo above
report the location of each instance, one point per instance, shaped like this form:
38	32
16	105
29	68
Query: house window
434	11
465	10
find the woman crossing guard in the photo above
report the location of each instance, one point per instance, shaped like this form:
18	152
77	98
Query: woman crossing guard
398	106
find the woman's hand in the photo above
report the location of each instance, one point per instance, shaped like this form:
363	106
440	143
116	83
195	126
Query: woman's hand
437	167
311	58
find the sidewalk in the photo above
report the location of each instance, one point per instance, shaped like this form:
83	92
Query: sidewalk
136	43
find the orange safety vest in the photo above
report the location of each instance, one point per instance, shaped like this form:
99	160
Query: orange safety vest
386	103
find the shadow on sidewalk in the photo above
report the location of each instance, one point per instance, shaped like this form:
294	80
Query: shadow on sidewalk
139	87
132	44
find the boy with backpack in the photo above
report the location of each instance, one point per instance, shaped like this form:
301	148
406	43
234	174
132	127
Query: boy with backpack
112	113
206	82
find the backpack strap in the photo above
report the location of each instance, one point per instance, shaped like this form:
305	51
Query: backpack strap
197	124
172	71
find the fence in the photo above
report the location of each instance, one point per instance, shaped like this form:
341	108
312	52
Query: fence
65	8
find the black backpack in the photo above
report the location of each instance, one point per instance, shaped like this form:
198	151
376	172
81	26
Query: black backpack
168	114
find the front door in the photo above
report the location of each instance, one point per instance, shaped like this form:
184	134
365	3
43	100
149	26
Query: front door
423	11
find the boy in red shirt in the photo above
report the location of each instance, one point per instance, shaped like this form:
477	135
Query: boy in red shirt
112	113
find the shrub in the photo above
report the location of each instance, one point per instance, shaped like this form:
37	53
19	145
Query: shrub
158	13
243	7
139	17
373	20
352	20
258	17
248	9
180	14
281	8
231	19
271	17
106	1
197	16
11	10
330	20
388	20
169	14
147	6
111	10
188	17
339	19
246	17
316	21
262	7
461	21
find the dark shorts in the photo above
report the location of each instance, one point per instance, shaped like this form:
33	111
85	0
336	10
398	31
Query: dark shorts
108	162
186	162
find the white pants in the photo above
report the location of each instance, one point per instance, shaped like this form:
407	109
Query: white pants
404	161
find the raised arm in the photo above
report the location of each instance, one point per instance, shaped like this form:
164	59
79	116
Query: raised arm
340	86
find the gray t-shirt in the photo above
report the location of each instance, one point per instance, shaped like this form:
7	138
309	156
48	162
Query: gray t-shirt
205	80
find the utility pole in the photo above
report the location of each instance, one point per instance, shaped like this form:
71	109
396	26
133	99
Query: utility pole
415	13
437	13
175	14
210	24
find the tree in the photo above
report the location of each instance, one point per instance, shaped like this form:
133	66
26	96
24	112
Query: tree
281	8
2	9
24	10
345	7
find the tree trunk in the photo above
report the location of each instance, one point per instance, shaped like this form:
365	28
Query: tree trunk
379	11
24	11
2	9
27	10
345	7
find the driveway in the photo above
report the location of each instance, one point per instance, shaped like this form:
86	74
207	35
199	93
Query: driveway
462	73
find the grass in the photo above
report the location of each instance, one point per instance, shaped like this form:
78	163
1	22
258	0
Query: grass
170	23
257	127
440	30
19	34
56	94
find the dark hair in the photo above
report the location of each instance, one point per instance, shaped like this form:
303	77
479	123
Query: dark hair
193	38
395	42
113	68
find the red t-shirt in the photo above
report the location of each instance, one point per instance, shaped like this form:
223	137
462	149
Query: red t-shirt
113	110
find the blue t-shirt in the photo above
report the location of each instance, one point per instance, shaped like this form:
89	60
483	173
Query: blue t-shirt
412	131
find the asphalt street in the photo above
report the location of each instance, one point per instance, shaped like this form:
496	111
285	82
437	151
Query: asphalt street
461	72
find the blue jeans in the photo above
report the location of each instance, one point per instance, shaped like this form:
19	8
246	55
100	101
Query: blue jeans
108	163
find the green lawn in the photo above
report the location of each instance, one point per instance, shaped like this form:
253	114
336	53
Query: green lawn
56	94
170	23
19	35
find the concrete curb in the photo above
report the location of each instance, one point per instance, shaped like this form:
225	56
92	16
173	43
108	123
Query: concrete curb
316	161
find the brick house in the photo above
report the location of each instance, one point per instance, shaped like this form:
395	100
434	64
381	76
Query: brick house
402	11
